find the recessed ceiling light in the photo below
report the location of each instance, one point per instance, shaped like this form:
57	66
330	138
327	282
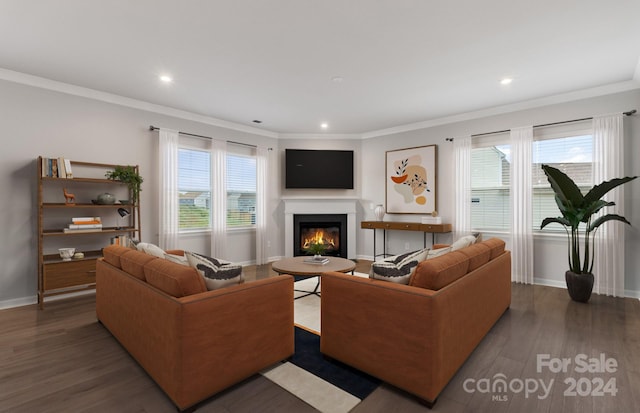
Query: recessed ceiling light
506	81
324	125
166	78
337	79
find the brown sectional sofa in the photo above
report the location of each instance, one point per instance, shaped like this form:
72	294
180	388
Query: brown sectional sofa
417	336
192	342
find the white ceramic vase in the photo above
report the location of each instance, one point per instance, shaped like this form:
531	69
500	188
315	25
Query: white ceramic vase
379	212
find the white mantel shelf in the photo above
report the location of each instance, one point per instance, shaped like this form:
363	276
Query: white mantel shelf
293	206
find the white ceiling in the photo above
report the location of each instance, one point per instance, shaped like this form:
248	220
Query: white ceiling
402	61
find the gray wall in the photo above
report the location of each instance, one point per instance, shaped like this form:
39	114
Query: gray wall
43	122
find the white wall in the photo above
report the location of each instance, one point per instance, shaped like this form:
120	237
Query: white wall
43	122
550	251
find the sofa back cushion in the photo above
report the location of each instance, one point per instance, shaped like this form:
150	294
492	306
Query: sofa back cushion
174	279
112	254
478	254
496	245
134	261
438	272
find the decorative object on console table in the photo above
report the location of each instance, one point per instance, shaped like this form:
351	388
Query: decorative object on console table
411	180
379	212
581	223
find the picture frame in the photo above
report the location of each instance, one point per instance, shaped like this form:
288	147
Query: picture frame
410	180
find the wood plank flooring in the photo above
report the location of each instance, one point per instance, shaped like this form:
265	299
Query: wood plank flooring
61	360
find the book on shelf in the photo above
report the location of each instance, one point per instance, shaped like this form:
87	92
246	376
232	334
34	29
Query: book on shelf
62	172
120	240
67	167
86	220
316	260
95	225
73	231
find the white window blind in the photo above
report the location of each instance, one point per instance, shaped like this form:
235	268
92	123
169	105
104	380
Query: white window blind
194	188
241	190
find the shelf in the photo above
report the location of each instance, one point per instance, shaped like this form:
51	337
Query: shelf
87	180
63	205
88	256
110	230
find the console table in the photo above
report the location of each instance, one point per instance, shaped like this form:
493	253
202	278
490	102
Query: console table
433	229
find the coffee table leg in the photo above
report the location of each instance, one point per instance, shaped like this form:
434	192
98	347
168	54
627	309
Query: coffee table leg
314	292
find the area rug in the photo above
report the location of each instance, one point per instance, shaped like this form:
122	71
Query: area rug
327	385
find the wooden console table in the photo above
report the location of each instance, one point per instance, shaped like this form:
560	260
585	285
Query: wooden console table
403	226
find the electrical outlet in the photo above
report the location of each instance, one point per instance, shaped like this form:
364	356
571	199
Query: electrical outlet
407	246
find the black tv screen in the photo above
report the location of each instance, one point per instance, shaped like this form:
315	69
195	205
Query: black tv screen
307	168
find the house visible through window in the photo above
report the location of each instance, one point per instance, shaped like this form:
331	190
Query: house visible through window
570	151
241	190
194	189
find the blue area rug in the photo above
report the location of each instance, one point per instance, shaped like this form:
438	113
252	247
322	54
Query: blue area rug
309	358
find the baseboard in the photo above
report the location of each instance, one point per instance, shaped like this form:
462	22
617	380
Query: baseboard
18	302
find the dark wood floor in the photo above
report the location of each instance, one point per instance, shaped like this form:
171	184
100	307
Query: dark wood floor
62	360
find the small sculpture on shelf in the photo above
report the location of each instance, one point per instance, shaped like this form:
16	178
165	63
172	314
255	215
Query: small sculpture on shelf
69	199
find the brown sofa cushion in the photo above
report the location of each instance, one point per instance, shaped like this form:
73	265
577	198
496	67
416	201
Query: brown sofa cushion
496	245
134	261
112	254
174	279
438	272
479	254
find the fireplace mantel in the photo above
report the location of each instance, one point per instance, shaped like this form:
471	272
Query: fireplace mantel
294	206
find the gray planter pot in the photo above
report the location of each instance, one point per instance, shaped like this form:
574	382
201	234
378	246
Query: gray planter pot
579	286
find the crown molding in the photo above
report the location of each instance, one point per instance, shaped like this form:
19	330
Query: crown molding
514	107
44	83
324	136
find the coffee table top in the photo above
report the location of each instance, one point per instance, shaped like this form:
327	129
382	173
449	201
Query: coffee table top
297	266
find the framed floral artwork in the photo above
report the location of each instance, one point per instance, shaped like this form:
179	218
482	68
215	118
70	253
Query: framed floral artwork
411	180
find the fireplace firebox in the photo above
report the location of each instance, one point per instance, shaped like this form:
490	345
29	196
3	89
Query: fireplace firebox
327	229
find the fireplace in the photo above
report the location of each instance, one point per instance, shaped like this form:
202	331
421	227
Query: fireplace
327	229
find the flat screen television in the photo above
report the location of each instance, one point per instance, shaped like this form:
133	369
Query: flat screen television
316	169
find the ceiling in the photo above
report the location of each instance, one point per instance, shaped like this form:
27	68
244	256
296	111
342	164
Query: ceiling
399	61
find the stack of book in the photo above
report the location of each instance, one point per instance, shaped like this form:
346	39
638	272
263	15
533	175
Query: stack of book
56	168
84	224
316	260
120	240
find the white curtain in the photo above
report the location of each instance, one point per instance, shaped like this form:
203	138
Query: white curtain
608	163
218	198
462	173
168	226
521	205
262	169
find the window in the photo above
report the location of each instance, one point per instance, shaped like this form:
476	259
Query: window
568	148
490	184
573	155
241	190
194	189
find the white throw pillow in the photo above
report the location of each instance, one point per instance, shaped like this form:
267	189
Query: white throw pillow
150	249
178	259
438	252
463	242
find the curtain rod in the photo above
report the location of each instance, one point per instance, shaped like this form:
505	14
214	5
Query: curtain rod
628	113
152	128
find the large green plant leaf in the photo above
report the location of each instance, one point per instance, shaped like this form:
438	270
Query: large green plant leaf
600	190
559	220
609	217
563	186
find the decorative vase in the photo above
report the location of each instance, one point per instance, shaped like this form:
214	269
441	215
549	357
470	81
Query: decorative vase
379	212
579	286
106	199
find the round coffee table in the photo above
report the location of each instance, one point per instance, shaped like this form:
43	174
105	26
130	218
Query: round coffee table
296	266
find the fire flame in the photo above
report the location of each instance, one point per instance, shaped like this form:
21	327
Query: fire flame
319	238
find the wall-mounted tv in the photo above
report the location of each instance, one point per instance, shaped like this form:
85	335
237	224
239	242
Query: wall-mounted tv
308	168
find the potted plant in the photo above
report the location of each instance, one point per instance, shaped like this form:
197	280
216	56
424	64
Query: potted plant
316	248
579	209
128	175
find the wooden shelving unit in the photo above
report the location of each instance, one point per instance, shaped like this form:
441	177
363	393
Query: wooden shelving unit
385	226
56	276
